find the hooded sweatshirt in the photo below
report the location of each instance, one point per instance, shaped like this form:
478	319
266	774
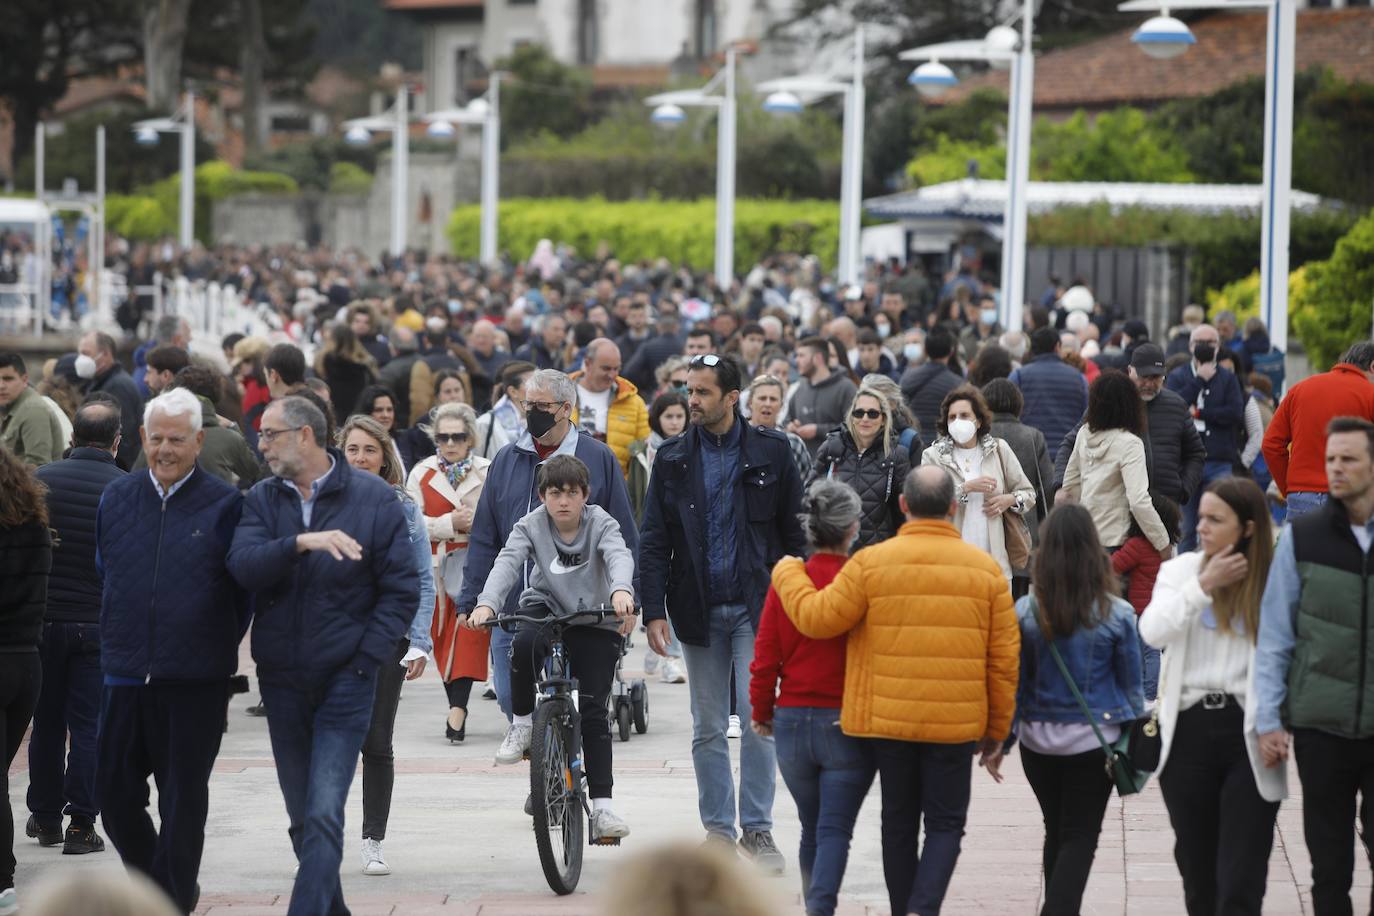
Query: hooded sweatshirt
823	403
565	575
1107	474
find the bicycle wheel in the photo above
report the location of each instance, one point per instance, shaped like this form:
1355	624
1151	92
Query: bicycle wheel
558	823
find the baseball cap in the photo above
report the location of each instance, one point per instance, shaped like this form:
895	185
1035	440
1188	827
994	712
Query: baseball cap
1148	360
1136	330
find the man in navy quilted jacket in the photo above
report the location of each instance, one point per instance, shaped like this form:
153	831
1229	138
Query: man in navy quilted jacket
325	550
171	619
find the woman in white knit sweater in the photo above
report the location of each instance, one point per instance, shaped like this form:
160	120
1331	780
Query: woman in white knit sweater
1107	472
1222	800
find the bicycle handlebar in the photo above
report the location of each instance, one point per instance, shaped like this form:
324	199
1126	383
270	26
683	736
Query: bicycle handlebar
599	613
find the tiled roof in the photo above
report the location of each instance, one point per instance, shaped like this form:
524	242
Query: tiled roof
615	76
1111	71
984	199
412	5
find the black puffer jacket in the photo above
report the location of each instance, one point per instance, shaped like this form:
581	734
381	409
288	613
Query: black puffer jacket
75	485
1174	452
25	559
876	478
924	387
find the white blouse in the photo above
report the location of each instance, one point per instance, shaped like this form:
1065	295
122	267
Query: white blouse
1218	661
975	531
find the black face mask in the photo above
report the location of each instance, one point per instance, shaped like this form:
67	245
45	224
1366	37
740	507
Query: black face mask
539	422
1205	352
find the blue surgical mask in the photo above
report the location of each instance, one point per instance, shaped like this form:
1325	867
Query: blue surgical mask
912	352
884	329
989	317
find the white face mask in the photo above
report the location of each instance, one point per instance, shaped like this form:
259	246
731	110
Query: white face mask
85	366
962	430
912	352
435	325
884	329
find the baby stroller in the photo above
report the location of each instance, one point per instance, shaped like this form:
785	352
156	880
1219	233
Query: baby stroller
629	702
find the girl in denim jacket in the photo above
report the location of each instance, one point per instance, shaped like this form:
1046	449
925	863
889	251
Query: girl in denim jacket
1072	600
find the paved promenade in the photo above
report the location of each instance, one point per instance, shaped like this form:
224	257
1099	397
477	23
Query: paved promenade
459	845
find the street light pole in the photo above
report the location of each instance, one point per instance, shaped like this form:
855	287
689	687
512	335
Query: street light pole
400	163
1014	238
851	181
491	172
1280	52
188	174
725	180
97	267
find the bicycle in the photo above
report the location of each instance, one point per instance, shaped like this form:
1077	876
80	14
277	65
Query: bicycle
557	783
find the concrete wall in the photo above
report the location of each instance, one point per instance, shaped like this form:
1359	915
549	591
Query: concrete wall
265	219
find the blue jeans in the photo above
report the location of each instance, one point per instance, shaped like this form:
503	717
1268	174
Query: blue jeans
1149	670
1211	470
62	781
923	784
731	633
500	667
1299	504
828	774
317	735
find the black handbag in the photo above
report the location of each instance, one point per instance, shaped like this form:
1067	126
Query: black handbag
1123	770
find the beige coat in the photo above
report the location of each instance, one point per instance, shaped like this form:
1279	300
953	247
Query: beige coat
440	526
997	455
1107	474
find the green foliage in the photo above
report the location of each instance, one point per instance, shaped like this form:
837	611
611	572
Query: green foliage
215	180
347	178
1334	311
544	95
362	35
311	163
647	229
950	160
137	216
1222	248
1120	145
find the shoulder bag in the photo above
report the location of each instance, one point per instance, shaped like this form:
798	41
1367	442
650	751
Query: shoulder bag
1123	770
1015	532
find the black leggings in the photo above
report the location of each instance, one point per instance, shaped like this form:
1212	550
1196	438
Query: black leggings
459	690
592	655
1073	791
20	675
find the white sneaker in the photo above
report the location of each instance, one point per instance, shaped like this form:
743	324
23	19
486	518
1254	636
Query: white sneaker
606	823
373	863
515	745
672	672
733	729
650	661
9	899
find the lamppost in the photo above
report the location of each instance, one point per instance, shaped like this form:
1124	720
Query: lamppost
932	78
359	131
787	96
1165	37
182	123
485	112
668	113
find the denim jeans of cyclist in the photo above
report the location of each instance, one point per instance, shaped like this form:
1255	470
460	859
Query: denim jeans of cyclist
708	682
1301	503
500	668
62	780
317	736
829	775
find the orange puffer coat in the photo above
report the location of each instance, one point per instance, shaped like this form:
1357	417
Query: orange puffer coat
934	645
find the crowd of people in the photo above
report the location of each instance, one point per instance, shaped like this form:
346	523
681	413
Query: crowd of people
1048	541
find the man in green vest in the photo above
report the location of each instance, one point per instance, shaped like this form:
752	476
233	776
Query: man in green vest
1314	662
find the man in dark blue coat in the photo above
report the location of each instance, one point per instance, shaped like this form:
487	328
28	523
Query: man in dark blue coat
720	511
325	551
1217	405
69	702
170	623
1055	393
509	495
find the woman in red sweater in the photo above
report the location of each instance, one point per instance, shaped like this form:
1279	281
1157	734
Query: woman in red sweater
1139	562
796	686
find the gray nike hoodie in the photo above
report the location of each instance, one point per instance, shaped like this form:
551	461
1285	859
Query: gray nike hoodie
586	572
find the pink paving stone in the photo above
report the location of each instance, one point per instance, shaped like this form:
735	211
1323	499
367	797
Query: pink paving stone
212	900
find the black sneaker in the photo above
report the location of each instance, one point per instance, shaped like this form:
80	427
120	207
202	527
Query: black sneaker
759	846
81	838
257	711
46	836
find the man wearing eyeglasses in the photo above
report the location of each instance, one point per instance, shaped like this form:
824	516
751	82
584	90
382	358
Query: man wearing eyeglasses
510	494
325	549
720	511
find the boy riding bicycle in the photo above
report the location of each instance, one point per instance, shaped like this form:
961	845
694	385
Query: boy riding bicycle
578	557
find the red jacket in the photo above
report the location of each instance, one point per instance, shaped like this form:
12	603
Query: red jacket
811	670
1138	559
1300	422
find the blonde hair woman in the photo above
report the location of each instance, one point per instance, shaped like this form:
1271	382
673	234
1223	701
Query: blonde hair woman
447	485
865	453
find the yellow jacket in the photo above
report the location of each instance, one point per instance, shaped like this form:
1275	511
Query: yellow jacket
934	645
627	419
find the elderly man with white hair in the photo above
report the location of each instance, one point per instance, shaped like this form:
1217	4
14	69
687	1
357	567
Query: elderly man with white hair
170	624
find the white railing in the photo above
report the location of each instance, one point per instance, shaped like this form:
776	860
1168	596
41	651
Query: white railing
20	310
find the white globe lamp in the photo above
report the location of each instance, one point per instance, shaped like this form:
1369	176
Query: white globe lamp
145	136
440	130
782	103
668	116
358	136
933	79
1002	39
479	106
1163	37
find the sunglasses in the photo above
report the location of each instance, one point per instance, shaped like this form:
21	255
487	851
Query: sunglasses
450	438
705	359
871	413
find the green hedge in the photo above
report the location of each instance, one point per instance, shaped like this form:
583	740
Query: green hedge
682	231
138	217
154	210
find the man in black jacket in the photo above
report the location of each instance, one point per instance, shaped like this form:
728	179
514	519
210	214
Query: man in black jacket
925	386
96	361
1173	450
69	702
720	511
651	354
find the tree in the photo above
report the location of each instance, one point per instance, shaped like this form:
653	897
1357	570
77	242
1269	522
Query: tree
252	54
44	44
1334	310
543	95
164	35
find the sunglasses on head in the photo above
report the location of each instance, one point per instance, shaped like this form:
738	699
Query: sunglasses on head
450	438
705	359
871	413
